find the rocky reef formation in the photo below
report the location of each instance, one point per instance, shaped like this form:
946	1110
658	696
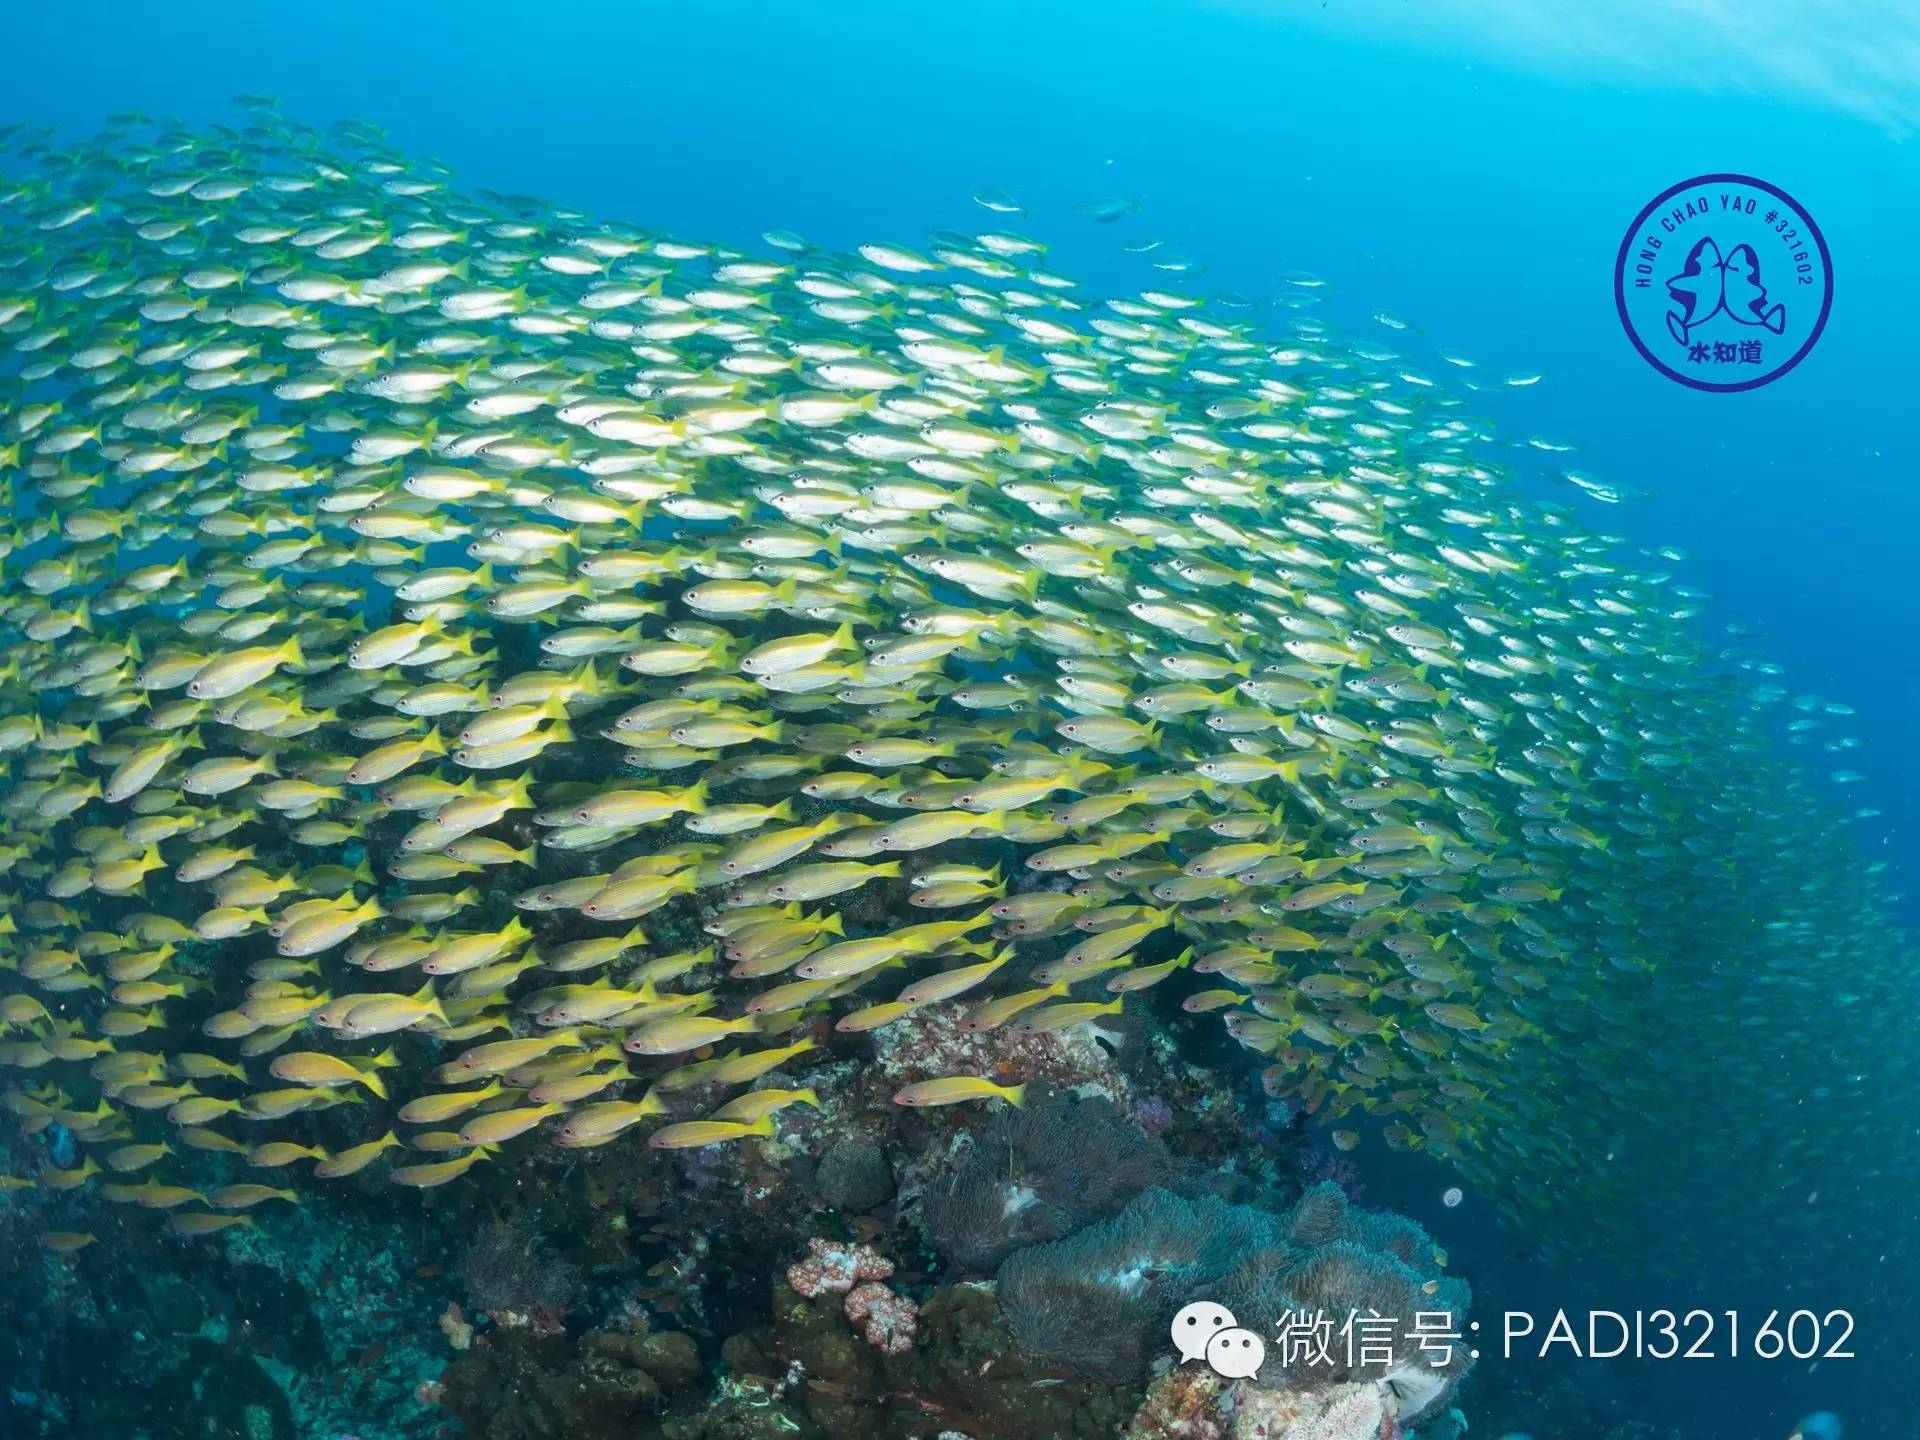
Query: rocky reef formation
1358	1290
835	1280
1098	1237
831	1286
965	1376
525	1383
1196	1404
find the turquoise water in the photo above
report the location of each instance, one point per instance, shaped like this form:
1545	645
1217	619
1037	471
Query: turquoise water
1468	174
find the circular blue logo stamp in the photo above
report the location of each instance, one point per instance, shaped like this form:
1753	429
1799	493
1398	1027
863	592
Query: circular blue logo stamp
1723	282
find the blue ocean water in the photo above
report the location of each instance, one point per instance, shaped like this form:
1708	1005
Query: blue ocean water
1468	171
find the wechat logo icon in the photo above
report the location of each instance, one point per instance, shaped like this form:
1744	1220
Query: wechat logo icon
1206	1331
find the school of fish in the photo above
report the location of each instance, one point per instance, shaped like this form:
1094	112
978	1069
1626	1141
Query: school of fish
414	602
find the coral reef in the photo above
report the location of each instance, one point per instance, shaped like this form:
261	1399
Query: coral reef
1038	1173
1345	1411
857	1271
1193	1403
1186	1403
228	1400
509	1270
520	1383
1100	1300
853	1176
936	1041
809	1366
891	1320
836	1267
323	1328
1359	1294
626	1293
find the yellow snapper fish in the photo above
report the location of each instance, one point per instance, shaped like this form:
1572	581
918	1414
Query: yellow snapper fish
890	583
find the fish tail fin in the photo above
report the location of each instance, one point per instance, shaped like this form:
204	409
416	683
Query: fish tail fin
431	1003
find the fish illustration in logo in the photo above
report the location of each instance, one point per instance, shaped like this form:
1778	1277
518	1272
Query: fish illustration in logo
1709	284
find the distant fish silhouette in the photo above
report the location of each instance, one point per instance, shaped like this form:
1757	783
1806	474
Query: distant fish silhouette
1709	284
1108	211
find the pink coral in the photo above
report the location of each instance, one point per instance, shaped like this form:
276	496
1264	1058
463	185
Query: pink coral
836	1267
891	1320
